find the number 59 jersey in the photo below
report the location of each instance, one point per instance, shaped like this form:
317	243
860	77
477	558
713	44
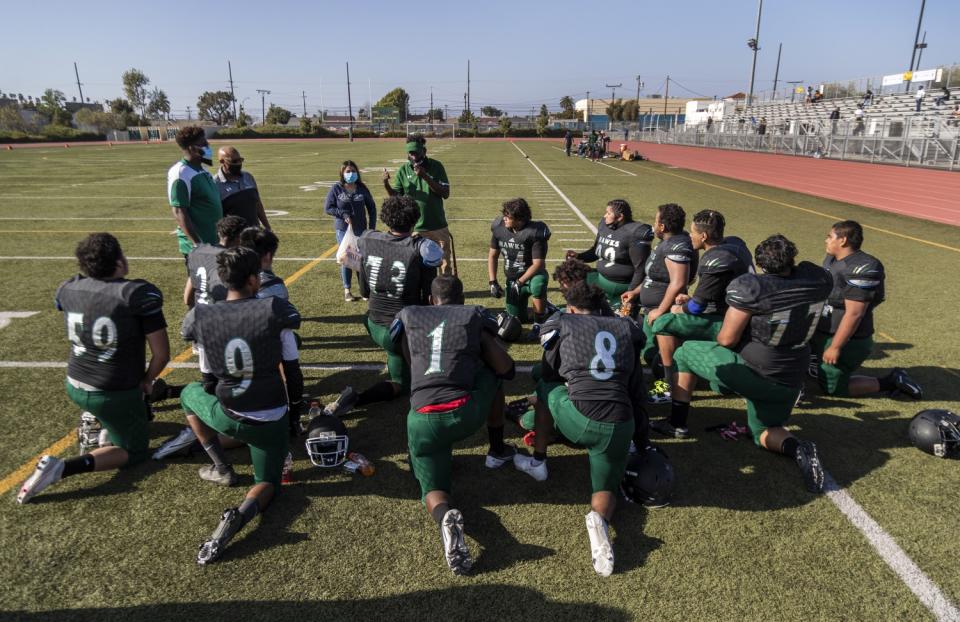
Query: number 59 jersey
106	325
242	344
595	355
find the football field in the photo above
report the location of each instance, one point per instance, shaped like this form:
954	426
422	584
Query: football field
742	539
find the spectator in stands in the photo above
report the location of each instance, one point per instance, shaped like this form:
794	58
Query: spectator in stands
238	189
709	123
834	118
867	99
921	93
858	115
944	97
956	115
762	127
817	96
809	95
351	204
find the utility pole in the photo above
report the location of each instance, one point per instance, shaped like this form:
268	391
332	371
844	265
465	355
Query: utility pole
754	44
464	104
321	101
263	105
79	87
639	86
349	105
446	115
188	113
667	95
921	46
303	94
430	114
613	92
468	84
233	95
916	43
776	74
589	123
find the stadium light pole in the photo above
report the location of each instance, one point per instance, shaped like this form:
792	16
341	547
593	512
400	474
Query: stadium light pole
349	105
776	73
754	44
639	86
916	43
263	105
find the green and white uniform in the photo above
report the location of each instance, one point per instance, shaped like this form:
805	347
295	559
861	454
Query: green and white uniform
193	190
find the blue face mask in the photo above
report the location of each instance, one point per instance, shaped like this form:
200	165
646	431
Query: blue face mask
350	177
207	154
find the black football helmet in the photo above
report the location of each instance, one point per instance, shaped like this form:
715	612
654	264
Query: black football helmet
509	327
936	432
649	478
327	442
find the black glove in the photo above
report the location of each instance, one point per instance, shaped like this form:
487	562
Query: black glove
515	289
495	290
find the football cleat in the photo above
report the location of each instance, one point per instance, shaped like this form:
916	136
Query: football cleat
343	404
516	409
212	549
808	460
225	476
182	441
813	367
905	384
660	393
534	468
49	471
601	551
103	440
454	548
663	426
495	461
88	432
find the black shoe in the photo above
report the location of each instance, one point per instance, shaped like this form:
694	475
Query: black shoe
905	384
808	460
802	395
663	426
516	409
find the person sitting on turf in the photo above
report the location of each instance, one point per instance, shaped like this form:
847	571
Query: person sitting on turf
247	340
265	242
590	391
699	317
620	250
204	286
396	271
843	340
761	351
457	369
523	243
108	319
671	267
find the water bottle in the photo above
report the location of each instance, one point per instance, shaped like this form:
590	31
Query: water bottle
287	476
306	417
358	463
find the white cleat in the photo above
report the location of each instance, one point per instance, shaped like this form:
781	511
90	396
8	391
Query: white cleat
181	441
49	471
495	461
455	549
535	469
600	548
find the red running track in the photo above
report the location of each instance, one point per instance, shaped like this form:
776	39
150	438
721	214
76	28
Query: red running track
921	193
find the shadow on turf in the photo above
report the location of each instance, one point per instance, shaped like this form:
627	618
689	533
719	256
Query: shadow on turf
462	602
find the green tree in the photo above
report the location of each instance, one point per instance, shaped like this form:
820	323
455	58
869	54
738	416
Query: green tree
277	115
567	106
490	111
544	112
11	120
630	112
615	110
466	117
215	106
399	99
124	111
102	121
542	123
159	106
306	125
504	125
135	87
51	108
243	119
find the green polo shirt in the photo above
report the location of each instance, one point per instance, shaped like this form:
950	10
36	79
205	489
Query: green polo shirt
432	216
193	189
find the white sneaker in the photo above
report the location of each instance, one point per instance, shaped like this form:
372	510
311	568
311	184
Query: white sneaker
536	470
600	548
495	461
181	441
49	471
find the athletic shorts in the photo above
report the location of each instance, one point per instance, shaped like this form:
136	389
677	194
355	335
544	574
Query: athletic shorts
689	326
769	403
835	379
612	289
397	366
535	287
122	413
608	444
430	436
650	348
268	442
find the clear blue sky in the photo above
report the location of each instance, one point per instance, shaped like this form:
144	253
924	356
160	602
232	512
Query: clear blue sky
522	53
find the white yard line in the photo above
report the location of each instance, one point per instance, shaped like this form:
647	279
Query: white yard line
576	210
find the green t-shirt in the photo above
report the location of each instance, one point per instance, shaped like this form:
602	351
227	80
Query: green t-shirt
193	189
432	216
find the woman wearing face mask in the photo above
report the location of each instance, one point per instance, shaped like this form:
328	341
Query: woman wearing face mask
351	204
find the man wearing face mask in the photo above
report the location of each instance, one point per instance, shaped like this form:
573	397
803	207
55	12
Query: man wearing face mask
238	190
192	192
425	180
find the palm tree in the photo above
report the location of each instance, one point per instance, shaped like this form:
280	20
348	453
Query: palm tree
567	105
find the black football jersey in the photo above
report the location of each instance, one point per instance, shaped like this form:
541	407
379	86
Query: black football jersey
202	265
742	250
718	266
858	277
444	345
241	342
621	252
106	325
272	285
395	272
784	317
677	248
519	248
597	357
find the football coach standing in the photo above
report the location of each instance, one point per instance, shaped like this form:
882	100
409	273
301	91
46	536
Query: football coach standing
192	193
425	181
238	189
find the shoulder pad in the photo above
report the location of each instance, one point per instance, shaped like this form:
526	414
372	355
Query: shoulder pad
717	260
145	298
744	292
497	222
543	230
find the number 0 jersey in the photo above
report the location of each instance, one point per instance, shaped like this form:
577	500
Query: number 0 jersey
202	265
858	277
519	248
444	345
242	344
106	325
597	357
621	252
784	313
396	272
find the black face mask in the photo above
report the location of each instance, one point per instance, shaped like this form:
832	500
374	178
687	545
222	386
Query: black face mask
417	158
234	169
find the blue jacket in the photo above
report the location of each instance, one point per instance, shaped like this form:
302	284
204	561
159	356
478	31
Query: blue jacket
340	204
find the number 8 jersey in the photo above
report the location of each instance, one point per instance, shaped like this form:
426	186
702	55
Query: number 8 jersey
106	324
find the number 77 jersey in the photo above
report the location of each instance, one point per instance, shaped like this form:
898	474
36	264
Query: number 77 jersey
106	325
